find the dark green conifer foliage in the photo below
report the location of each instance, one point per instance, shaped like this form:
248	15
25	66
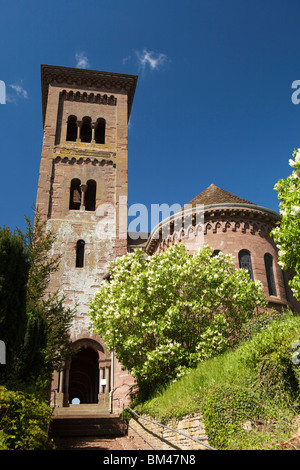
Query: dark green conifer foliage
14	265
46	345
34	324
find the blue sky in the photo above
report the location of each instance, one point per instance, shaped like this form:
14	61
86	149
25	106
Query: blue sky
213	101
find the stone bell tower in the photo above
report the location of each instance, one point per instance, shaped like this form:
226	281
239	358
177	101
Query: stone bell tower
82	193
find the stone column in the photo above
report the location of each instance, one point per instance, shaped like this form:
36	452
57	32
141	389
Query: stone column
93	126
83	191
100	380
61	376
79	124
107	376
59	390
66	387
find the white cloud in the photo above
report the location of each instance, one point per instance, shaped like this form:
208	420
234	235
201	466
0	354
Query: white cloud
152	59
126	59
19	92
82	61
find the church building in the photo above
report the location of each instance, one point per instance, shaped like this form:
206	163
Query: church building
82	193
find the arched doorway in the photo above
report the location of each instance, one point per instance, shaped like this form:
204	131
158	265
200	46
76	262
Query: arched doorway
84	376
87	376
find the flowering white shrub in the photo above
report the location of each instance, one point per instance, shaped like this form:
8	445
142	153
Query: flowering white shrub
287	233
165	313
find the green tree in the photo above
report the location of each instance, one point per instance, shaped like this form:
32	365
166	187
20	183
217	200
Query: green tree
14	266
47	343
38	242
165	313
34	324
287	233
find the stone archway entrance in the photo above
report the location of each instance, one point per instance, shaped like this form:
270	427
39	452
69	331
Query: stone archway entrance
87	378
84	376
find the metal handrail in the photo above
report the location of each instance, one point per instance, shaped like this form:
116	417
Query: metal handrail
141	436
200	441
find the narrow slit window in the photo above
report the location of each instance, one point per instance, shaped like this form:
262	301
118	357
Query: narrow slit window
80	254
75	194
245	262
86	130
270	274
100	131
72	129
90	196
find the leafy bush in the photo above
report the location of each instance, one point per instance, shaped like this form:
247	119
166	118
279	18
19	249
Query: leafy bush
23	422
273	394
165	313
248	396
270	354
226	409
287	233
259	321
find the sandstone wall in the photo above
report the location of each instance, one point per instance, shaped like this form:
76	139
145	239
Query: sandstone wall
160	438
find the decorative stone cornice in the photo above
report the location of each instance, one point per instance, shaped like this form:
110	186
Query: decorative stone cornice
85	97
79	160
235	217
241	211
88	79
78	151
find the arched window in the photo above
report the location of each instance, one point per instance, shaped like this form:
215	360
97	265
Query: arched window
270	274
90	196
80	254
216	252
72	128
100	131
86	130
75	194
245	262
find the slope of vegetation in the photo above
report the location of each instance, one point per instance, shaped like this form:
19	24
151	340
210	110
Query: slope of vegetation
249	397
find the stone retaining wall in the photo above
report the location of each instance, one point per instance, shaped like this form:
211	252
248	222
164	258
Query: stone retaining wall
161	438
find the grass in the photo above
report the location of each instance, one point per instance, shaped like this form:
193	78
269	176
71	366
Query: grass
185	396
256	383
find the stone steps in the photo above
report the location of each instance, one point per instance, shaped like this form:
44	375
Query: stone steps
101	426
82	410
85	420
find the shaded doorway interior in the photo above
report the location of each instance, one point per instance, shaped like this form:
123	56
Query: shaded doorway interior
84	376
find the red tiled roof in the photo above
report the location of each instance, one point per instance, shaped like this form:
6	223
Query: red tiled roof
215	195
